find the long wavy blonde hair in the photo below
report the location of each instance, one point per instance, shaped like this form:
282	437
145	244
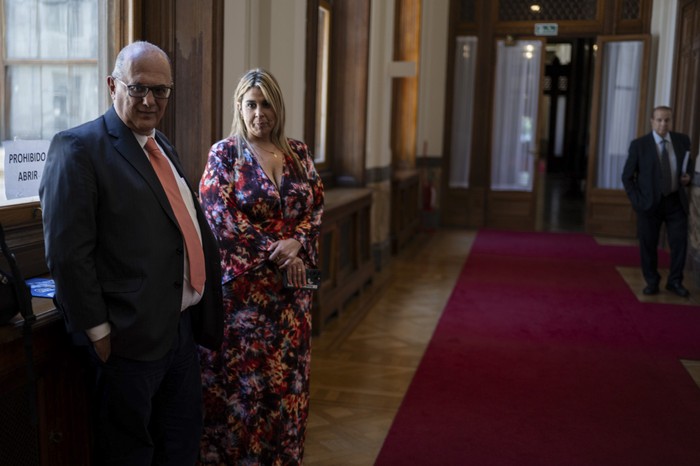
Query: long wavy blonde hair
263	80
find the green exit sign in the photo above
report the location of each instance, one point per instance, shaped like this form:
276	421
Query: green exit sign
546	29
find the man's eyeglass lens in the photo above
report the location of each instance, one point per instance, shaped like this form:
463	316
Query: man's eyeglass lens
139	91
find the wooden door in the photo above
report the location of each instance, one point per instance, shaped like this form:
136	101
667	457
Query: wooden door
619	114
513	189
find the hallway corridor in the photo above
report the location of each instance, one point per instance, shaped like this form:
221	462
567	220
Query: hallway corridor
364	362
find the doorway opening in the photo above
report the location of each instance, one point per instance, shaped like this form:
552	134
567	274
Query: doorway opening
567	92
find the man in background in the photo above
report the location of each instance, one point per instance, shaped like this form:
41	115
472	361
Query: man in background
655	176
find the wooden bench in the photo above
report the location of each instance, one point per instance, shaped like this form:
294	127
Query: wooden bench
345	251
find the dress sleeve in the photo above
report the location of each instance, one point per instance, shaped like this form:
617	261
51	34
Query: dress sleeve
215	196
308	227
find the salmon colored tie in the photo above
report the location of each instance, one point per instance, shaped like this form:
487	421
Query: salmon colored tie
195	253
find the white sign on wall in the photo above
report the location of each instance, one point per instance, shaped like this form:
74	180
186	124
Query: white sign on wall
24	164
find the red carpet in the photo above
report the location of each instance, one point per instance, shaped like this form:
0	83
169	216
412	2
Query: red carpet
543	356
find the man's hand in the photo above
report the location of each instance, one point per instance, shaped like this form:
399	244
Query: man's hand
103	348
685	179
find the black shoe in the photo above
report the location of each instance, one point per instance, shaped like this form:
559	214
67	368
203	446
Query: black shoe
678	289
651	289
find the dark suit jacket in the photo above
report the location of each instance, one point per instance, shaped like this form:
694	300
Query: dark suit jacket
641	175
113	245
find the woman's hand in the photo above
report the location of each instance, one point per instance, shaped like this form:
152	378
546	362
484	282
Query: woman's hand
282	252
296	273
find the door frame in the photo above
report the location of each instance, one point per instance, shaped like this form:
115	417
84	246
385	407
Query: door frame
608	211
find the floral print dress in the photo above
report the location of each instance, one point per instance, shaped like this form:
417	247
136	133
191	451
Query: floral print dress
256	388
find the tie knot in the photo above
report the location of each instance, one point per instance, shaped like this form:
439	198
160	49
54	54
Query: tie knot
151	146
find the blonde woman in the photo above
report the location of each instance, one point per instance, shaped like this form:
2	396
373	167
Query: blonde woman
263	199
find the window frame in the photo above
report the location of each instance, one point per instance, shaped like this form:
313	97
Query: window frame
22	221
312	72
322	85
347	90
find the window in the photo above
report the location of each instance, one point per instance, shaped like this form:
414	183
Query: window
54	58
343	45
322	57
54	62
462	111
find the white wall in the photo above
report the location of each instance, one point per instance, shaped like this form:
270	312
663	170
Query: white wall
272	34
236	59
431	76
269	34
378	143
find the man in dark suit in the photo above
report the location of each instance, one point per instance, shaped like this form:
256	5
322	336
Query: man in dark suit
655	176
128	275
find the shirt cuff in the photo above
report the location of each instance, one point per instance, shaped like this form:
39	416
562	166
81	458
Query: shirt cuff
99	332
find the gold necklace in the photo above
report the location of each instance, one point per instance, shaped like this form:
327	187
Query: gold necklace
268	151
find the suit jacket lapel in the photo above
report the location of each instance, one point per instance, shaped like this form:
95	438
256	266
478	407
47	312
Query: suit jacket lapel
128	147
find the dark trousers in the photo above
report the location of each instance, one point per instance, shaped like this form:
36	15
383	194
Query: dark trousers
669	212
150	412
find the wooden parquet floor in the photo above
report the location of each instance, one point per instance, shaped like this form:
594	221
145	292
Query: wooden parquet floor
363	362
365	359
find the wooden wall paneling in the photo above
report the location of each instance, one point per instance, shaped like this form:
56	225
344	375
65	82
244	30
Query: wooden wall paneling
609	11
405	213
346	262
192	35
127	21
349	65
686	91
62	434
609	213
566	28
511	210
633	25
693	124
686	103
448	195
199	54
480	173
467	207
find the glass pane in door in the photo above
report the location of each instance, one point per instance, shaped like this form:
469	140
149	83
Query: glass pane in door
619	109
516	98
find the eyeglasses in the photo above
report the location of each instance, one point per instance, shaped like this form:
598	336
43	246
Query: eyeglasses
139	91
